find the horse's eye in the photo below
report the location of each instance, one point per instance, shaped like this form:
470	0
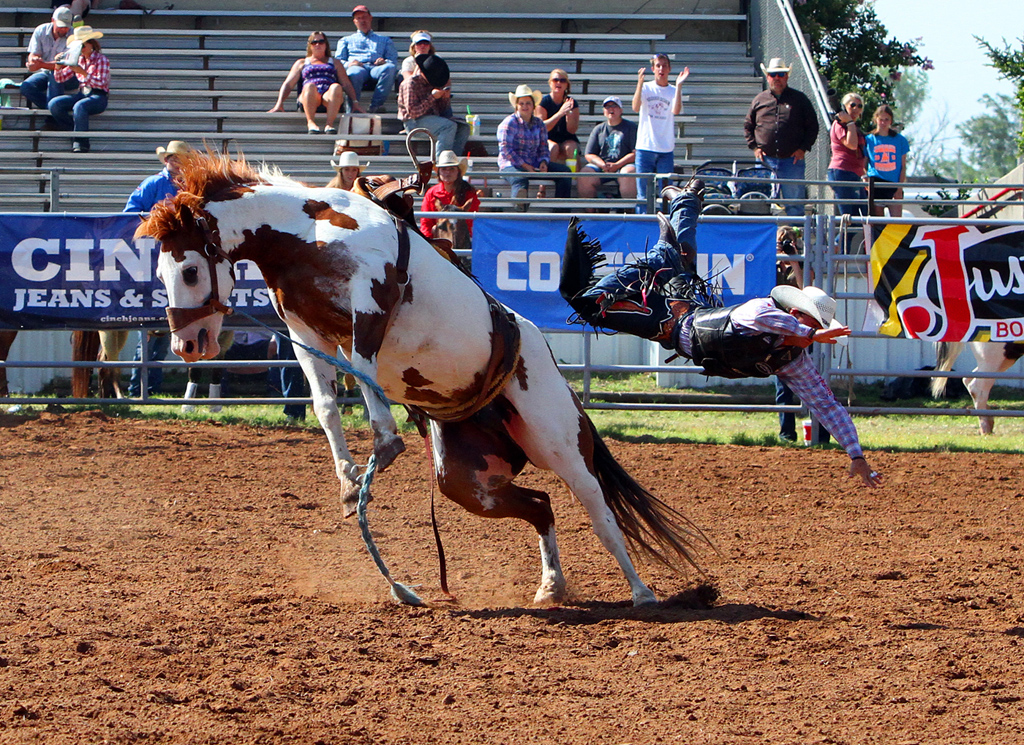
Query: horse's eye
191	276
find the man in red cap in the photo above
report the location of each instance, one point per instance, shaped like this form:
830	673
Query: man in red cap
367	55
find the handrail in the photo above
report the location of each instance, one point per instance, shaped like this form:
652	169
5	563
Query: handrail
818	92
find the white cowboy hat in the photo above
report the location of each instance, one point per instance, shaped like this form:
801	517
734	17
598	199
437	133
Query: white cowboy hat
810	300
85	33
775	64
348	159
525	91
174	147
449	158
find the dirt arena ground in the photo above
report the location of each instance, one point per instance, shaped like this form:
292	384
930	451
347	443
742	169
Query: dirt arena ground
195	583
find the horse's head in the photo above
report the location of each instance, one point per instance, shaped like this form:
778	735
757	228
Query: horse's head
195	271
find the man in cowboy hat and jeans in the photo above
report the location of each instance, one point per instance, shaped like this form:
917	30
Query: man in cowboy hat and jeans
48	41
781	128
153	189
661	298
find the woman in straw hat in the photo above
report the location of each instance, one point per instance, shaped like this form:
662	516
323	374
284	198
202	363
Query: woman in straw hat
451	190
92	68
324	83
348	170
663	298
523	146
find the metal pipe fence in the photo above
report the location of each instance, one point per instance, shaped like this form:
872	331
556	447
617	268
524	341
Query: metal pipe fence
844	276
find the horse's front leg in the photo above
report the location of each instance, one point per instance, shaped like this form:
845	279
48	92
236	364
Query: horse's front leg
323	384
387	443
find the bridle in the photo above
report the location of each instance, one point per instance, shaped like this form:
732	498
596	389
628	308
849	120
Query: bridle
179	318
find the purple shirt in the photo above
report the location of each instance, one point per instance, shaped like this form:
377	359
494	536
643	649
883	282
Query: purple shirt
762	316
522	144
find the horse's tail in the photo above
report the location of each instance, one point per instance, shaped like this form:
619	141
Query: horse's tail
85	347
946	353
649	524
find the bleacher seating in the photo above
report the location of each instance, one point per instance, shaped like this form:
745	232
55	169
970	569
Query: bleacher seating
194	75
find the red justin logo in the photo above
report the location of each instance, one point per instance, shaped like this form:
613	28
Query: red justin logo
956	283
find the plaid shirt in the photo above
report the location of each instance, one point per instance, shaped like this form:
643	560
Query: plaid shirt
522	144
414	99
97	72
762	316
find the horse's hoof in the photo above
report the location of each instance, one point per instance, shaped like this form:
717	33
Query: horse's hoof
350	496
386	452
641	599
547	596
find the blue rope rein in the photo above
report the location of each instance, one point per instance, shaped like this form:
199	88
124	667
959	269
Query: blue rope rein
401	593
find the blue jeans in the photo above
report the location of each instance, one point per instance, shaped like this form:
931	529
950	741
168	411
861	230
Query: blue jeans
158	345
787	168
73	111
40	87
293	381
384	75
787	420
848	194
519	183
648	161
450	134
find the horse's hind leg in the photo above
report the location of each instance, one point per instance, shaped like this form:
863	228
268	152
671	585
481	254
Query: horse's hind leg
475	462
111	344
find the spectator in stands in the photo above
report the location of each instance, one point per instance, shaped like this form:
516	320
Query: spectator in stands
610	149
781	128
561	115
523	146
886	151
324	83
846	169
72	110
348	170
451	189
81	8
155	189
49	40
658	103
368	55
422	43
425	97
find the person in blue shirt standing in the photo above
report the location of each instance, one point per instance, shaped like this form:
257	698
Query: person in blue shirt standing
367	54
155	189
886	151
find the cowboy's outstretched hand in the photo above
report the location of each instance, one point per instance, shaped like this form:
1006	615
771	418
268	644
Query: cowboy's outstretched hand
829	336
869	476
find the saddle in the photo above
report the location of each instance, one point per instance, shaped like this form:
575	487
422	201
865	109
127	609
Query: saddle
396	195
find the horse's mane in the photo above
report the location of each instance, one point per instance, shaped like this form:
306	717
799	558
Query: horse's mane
205	175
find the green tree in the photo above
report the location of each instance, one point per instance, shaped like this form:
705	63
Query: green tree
853	50
1010	62
989	138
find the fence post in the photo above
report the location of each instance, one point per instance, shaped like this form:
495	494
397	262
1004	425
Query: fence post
652	183
586	365
54	190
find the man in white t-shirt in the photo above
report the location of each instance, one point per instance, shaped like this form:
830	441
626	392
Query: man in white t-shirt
658	103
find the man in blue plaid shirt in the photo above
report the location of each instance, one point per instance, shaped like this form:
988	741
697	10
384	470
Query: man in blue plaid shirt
367	54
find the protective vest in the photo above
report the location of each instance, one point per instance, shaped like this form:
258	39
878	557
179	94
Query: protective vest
717	346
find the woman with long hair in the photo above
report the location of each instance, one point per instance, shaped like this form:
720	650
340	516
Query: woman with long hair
561	115
324	84
886	151
92	68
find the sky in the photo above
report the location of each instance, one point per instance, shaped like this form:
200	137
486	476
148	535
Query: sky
947	29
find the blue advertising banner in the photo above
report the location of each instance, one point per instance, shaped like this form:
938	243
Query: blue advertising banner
87	271
519	263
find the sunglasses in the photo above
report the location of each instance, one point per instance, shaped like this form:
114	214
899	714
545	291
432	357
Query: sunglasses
855	105
422	41
777	74
318	41
559	80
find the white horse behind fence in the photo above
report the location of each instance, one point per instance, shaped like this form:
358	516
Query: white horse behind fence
990	356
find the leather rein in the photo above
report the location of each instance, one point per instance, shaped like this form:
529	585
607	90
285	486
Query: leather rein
179	318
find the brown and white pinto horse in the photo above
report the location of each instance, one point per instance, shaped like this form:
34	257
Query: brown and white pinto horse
991	357
340	273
